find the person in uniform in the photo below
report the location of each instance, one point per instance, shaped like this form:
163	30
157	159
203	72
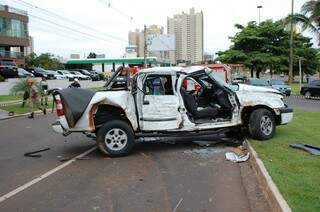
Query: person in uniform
34	102
44	93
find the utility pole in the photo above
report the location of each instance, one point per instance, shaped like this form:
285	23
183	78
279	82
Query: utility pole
259	8
300	73
145	46
290	80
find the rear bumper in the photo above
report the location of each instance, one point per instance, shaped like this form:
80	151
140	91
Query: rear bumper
286	115
57	127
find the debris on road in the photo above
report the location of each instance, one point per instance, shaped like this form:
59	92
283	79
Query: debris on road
238	154
314	150
32	154
231	156
11	113
205	152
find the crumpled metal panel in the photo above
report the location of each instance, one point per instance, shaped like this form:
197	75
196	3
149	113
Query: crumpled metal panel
122	99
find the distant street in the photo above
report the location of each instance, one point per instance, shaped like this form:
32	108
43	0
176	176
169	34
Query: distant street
155	177
300	103
6	86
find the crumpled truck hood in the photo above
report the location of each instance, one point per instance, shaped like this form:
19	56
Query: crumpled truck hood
249	95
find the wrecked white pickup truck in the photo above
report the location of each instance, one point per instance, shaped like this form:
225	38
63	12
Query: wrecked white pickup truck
169	102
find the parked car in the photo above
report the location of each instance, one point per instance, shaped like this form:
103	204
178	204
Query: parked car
281	86
258	82
38	72
79	75
93	75
239	79
67	74
55	75
23	73
310	90
8	68
50	74
157	104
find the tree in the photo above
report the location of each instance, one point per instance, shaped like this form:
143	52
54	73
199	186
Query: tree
266	46
309	18
46	61
31	60
92	55
258	46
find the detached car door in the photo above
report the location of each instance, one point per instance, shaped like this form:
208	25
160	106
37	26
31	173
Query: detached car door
158	103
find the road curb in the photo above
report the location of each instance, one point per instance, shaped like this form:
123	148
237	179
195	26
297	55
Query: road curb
270	190
19	115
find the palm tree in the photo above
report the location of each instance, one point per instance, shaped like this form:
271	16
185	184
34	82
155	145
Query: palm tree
309	18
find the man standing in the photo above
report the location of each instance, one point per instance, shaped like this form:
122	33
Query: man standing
44	92
33	99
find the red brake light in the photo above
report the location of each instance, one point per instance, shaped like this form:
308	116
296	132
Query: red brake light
60	111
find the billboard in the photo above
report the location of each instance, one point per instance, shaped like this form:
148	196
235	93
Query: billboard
160	42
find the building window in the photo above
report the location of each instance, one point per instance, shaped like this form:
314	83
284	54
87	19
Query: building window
13	28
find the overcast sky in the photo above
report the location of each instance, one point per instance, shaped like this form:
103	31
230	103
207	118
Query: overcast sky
219	19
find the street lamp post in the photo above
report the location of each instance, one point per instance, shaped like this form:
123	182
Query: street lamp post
259	8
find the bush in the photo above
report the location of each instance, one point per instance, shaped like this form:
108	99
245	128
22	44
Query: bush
2	79
21	87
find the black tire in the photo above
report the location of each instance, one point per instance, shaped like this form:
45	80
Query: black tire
115	138
262	125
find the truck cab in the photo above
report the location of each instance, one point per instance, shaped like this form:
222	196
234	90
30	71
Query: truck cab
167	102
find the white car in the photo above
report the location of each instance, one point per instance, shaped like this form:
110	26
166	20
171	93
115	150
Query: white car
55	75
79	75
168	103
67	74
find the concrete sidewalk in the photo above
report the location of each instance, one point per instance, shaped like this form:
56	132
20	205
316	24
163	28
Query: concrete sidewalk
3	114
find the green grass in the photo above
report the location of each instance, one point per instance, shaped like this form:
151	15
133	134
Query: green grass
10	97
295	172
18	109
295	88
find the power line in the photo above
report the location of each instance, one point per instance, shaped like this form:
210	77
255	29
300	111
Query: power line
68	28
115	9
131	18
52	14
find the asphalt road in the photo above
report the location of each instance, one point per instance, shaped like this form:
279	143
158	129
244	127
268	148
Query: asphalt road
155	177
299	102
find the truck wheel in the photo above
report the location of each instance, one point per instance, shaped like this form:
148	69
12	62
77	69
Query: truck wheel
262	124
115	138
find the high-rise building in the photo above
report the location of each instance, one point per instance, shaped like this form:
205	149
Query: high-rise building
188	31
136	38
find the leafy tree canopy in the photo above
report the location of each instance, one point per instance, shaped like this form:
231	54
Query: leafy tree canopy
266	46
46	61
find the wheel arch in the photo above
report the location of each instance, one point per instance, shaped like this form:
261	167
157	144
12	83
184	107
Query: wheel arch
246	112
107	112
